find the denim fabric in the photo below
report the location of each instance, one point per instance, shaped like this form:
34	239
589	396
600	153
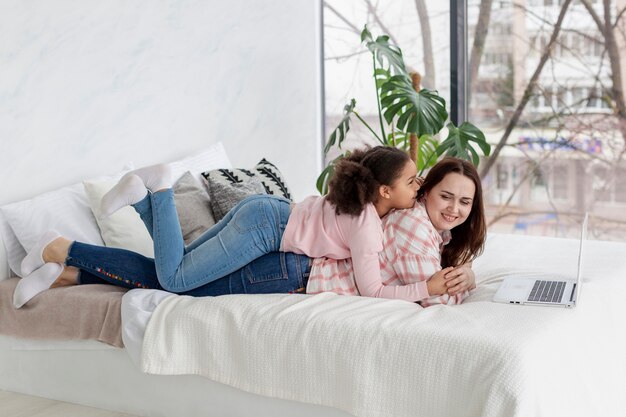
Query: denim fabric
254	227
276	272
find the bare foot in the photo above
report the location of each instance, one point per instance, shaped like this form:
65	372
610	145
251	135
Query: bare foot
56	251
68	277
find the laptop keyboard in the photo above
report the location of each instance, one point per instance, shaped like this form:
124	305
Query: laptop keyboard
547	291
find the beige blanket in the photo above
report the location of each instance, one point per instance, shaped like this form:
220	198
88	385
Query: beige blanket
77	312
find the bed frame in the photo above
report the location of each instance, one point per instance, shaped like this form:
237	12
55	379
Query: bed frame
94	374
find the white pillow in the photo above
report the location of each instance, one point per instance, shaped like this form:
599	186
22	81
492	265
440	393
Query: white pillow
123	229
13	249
212	158
65	210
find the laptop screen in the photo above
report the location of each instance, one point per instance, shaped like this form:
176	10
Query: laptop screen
583	237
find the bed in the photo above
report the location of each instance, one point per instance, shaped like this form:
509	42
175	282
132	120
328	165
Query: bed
152	353
476	359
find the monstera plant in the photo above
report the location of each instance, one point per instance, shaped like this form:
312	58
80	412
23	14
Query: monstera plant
410	117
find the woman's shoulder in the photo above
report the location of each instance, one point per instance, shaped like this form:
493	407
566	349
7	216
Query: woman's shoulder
415	216
410	228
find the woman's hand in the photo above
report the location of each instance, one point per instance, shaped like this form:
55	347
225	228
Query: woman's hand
437	283
460	279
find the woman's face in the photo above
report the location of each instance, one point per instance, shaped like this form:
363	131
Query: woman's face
449	203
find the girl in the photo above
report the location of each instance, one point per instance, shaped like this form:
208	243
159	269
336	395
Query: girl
344	224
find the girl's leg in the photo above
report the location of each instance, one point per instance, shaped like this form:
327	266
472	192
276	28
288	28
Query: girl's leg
275	272
212	231
144	209
253	228
119	267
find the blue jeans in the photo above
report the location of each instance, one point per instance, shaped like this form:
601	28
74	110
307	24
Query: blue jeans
276	272
251	230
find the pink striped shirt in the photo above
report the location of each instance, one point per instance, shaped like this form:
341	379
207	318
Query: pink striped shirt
411	255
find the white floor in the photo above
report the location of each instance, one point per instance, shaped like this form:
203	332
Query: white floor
20	405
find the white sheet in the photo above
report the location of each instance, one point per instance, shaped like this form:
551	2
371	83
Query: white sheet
374	357
137	308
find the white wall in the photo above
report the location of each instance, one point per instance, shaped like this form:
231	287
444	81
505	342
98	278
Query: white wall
87	86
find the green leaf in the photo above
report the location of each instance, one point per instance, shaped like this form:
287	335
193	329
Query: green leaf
459	143
366	34
381	76
384	51
327	174
342	129
427	155
400	139
420	113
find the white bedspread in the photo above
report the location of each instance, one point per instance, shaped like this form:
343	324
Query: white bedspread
382	358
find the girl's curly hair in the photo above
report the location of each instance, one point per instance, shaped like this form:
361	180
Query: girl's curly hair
358	177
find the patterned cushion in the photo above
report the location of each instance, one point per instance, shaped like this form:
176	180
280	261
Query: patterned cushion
265	171
193	207
225	196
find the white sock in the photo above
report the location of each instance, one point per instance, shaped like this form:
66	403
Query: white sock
34	259
129	190
36	282
155	177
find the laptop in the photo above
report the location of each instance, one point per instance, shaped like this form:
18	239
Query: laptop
544	291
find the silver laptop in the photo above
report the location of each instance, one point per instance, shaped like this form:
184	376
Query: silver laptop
544	292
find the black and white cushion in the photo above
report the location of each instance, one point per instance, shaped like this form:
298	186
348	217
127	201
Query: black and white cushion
265	171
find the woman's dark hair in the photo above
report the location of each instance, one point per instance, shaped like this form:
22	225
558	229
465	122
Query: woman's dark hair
358	177
468	238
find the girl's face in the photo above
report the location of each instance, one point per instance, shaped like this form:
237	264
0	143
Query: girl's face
449	203
403	191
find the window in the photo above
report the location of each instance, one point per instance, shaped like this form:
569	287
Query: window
348	63
577	96
559	182
620	187
502	177
571	101
601	184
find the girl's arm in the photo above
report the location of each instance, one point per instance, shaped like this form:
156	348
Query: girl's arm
369	281
437	284
457	282
460	280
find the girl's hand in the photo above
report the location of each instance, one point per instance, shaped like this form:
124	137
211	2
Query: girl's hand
420	182
437	283
459	280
